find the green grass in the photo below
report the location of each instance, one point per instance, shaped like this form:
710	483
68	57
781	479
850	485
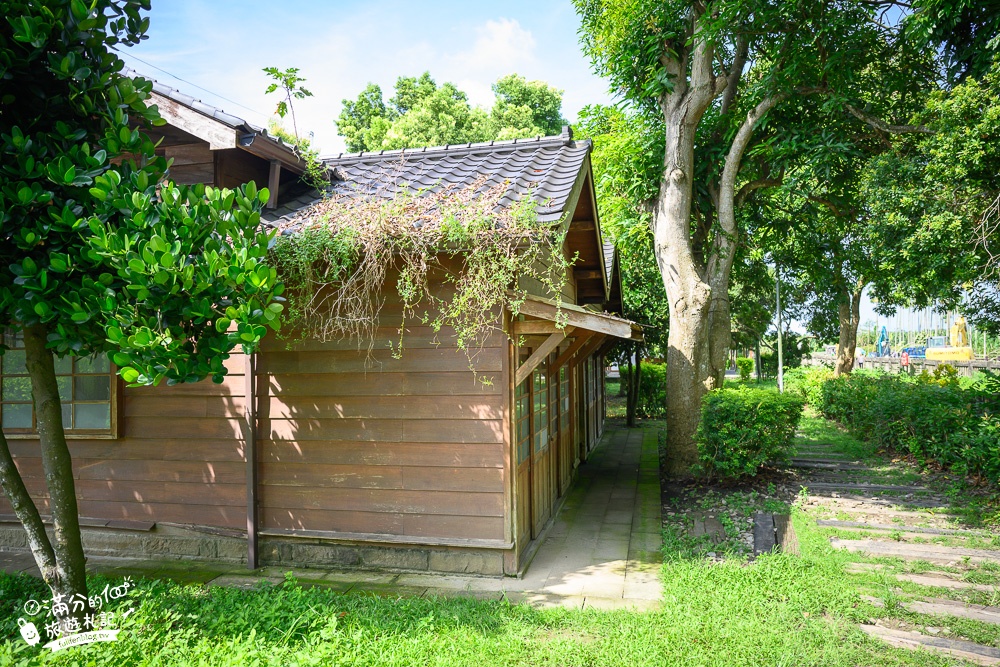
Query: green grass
814	430
781	609
616	404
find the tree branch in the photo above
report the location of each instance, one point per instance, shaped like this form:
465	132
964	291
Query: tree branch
880	124
748	188
825	202
733	79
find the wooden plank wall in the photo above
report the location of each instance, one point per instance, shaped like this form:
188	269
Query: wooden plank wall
192	163
361	442
179	458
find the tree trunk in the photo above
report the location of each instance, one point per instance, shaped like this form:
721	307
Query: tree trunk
849	316
69	574
27	513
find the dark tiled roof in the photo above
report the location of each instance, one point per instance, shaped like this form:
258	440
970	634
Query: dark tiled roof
548	167
216	113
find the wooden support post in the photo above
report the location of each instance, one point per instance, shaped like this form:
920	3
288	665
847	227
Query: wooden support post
273	181
583	335
250	449
589	348
539	355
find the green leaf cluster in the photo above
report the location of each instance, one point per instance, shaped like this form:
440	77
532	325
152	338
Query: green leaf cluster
455	257
104	253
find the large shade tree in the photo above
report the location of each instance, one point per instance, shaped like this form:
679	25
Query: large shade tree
423	113
713	71
101	255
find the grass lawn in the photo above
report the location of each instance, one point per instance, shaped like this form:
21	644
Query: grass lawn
780	610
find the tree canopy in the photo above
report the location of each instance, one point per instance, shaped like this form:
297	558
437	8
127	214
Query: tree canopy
423	113
105	257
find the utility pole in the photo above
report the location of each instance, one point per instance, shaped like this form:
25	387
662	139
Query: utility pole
781	360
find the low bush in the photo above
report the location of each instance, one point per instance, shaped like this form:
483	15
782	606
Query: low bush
932	417
652	390
807	382
743	429
745	367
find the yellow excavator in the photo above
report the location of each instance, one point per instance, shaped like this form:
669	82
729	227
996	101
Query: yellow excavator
958	348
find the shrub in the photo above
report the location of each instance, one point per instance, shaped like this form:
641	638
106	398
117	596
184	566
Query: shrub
932	417
745	367
743	429
807	382
652	402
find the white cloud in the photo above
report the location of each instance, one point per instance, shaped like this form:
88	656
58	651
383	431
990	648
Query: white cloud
501	46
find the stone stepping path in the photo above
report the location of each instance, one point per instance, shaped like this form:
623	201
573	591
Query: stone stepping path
957	648
826	464
943	607
930	579
850	488
932	553
708	524
901	518
897	527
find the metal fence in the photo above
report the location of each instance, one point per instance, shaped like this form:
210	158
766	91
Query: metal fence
892	365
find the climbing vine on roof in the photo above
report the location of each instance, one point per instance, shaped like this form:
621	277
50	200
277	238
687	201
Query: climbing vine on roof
335	257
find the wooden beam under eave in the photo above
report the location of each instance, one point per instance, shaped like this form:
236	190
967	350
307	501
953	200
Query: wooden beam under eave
528	327
538	356
218	135
578	318
273	181
583	335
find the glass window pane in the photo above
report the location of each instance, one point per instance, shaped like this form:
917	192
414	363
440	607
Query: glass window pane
13	362
65	388
67	415
92	388
17	389
98	364
97	416
64	366
17	415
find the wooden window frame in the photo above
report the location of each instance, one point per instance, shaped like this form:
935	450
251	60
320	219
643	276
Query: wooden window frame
522	416
113	432
539	376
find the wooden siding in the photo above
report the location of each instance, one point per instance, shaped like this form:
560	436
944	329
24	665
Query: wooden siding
180	458
363	441
192	163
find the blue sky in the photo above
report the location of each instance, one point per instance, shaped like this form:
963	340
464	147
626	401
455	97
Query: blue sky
340	46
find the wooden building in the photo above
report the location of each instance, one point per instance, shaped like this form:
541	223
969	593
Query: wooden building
327	454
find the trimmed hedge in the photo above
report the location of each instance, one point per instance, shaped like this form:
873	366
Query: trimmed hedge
807	382
652	390
743	429
745	367
932	417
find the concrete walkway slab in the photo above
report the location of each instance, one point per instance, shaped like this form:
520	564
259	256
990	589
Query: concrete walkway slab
605	543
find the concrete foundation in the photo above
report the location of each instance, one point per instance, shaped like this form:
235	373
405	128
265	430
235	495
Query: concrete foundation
181	543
